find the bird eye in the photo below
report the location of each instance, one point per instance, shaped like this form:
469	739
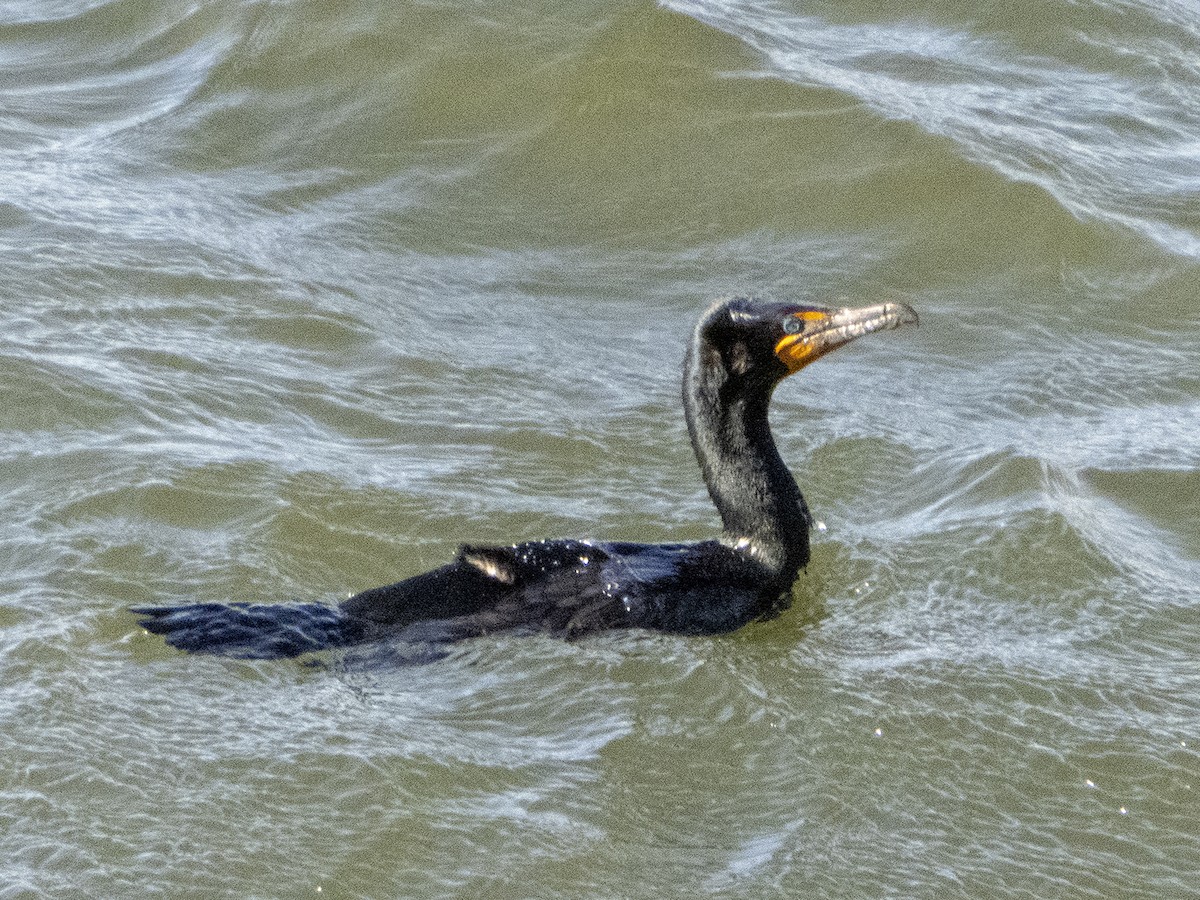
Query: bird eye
792	325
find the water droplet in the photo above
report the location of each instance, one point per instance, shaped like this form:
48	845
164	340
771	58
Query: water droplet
1090	783
821	526
878	732
1124	811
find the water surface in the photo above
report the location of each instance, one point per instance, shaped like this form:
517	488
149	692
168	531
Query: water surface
298	297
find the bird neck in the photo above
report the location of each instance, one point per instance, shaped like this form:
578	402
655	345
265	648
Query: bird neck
762	509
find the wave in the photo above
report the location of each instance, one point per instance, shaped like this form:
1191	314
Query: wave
1110	140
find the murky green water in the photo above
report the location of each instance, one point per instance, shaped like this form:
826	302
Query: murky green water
297	296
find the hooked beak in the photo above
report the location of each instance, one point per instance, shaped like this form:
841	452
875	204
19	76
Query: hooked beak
828	329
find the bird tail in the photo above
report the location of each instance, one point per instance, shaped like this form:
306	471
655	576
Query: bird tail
251	630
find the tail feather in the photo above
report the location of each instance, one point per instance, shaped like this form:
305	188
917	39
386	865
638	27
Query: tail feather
251	630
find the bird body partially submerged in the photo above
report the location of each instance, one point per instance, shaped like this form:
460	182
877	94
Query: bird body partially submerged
740	350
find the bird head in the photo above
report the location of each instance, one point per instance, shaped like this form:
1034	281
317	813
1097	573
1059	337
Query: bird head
764	340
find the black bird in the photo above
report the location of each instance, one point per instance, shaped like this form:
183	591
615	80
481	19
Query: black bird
740	350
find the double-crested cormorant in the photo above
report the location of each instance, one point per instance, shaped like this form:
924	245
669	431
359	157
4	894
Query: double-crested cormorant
740	350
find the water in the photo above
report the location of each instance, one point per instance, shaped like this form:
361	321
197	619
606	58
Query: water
297	297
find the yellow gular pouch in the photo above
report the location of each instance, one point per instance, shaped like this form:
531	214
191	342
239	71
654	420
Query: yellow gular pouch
823	330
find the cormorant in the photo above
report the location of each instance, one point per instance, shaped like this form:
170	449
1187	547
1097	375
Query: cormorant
739	351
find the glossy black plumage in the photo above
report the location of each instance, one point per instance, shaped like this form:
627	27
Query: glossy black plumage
740	350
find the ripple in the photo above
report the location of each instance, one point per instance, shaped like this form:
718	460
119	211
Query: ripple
1087	137
86	76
